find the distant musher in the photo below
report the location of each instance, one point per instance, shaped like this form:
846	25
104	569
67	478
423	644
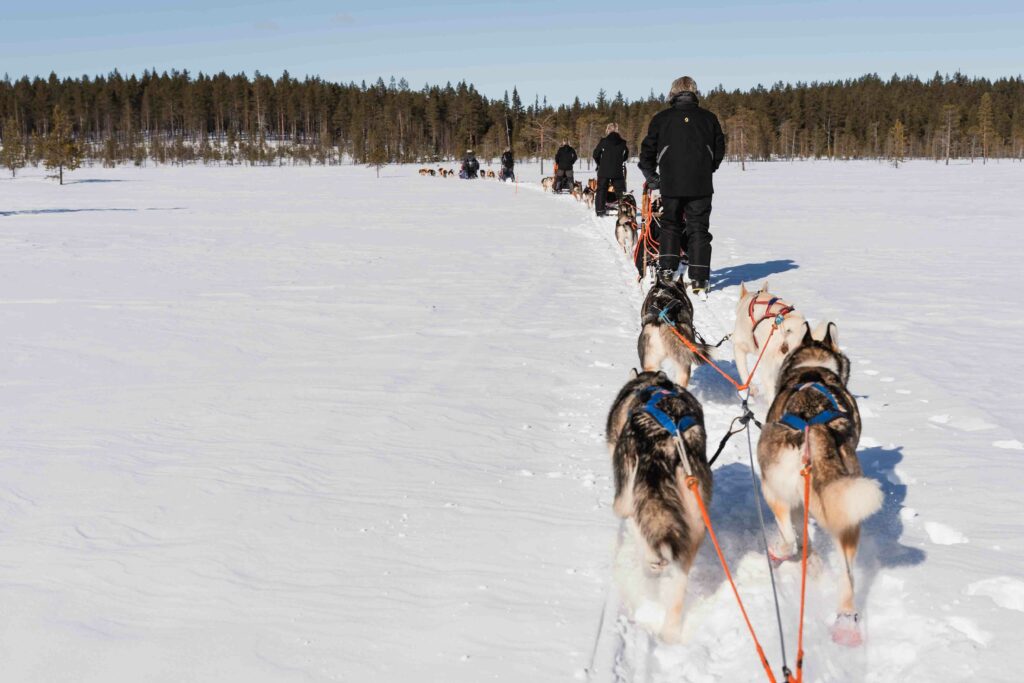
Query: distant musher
508	163
565	157
683	147
470	166
610	154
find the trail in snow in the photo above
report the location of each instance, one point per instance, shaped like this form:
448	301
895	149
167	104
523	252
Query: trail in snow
305	424
717	645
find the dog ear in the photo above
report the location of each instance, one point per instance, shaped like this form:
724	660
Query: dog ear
808	337
831	336
764	287
633	373
743	290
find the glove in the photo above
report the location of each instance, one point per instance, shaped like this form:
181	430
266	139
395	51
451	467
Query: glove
653	181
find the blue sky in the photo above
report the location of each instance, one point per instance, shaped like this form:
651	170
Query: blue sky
558	49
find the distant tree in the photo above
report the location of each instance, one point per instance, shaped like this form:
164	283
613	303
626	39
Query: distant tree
897	143
541	129
985	125
948	115
60	147
377	154
13	153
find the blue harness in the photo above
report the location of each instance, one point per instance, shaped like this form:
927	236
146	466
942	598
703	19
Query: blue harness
652	396
794	421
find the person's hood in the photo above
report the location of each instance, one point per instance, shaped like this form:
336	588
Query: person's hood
614	136
684	99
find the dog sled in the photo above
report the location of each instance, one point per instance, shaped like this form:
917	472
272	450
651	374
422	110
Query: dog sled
647	249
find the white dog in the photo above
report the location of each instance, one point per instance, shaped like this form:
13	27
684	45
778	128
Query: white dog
757	313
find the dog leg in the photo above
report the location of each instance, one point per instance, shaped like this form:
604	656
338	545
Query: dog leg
671	628
784	520
848	541
683	373
623	504
652	351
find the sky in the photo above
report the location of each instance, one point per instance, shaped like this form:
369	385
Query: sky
557	50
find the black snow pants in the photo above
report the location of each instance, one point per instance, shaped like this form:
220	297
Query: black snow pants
563	179
691	215
619	185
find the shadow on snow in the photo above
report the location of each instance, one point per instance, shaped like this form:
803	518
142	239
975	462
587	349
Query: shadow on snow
751	273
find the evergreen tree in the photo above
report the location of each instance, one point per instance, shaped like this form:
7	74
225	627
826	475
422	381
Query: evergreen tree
13	152
897	143
60	147
985	124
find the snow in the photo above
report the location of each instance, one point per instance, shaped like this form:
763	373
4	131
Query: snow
306	424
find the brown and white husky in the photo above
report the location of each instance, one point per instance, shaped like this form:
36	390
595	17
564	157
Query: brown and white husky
815	416
650	482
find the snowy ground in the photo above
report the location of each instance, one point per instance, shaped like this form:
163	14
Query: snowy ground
282	424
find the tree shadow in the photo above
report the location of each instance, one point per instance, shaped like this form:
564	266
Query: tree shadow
33	212
730	276
95	180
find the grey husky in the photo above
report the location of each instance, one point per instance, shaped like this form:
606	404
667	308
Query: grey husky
665	312
812	402
650	480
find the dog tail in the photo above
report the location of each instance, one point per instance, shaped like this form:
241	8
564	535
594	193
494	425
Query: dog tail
846	500
662	520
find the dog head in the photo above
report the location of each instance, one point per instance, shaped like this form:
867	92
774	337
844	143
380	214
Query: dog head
820	349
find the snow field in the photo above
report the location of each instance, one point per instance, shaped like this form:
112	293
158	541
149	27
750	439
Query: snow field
305	424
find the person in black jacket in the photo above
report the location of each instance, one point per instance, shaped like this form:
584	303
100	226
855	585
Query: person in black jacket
507	164
565	157
683	147
470	165
610	154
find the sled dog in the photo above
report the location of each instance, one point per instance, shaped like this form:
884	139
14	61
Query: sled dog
625	232
548	183
577	190
813	403
666	308
756	314
588	197
650	480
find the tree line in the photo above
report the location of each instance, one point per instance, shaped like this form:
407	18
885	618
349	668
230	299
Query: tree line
231	119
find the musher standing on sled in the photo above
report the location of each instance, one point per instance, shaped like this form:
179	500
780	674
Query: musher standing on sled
507	164
565	157
610	154
685	143
470	165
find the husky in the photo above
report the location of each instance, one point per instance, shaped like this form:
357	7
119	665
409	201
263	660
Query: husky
548	183
650	480
588	197
577	190
490	174
813	402
667	311
756	314
625	232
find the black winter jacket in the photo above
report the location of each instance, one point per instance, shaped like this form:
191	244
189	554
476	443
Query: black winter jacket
610	154
685	144
507	161
565	157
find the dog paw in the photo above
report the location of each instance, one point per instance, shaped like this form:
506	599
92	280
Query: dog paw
657	566
780	552
671	634
846	630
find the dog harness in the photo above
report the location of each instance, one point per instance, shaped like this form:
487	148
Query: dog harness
652	396
777	317
794	421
